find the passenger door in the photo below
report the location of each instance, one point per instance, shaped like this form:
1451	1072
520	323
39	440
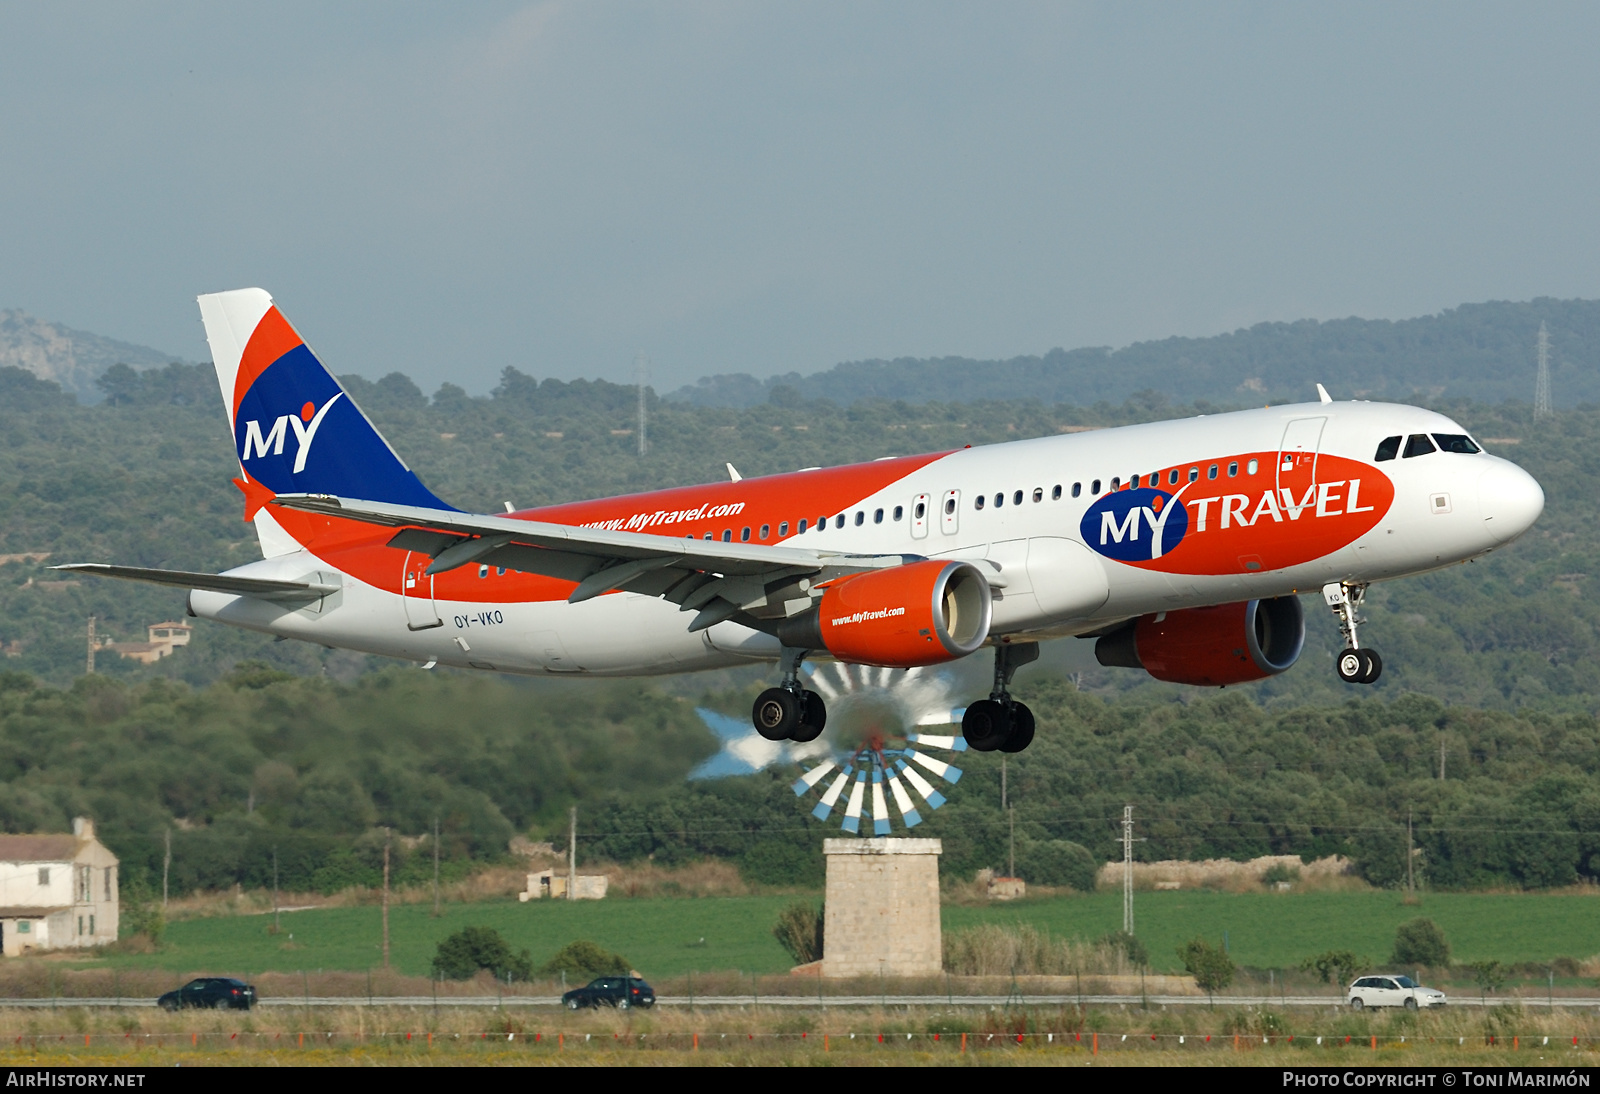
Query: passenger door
1297	461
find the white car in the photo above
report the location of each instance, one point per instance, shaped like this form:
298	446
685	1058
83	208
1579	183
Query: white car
1392	991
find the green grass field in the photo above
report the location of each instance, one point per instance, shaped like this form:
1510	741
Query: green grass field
663	937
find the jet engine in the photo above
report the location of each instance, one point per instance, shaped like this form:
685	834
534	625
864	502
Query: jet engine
922	613
1211	647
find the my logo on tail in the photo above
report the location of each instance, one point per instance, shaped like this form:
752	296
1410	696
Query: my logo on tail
305	424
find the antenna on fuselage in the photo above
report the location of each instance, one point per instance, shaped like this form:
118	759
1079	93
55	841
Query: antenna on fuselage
1322	395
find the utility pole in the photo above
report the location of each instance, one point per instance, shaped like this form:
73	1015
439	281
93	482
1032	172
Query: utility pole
572	854
1411	858
1004	803
1127	842
436	866
1441	759
274	890
1541	386
89	667
641	371
1011	861
388	836
166	868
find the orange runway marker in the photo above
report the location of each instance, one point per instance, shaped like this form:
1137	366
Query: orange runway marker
963	1042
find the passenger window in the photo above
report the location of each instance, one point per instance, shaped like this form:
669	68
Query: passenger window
1055	495
803	525
1251	467
744	536
1456	442
1038	493
1077	488
483	570
999	500
1094	487
1233	469
838	521
1134	482
783	529
1172	477
708	535
900	511
1116	483
1016	498
1211	472
877	516
727	535
919	511
1194	474
979	502
1388	449
766	530
949	506
1418	445
861	518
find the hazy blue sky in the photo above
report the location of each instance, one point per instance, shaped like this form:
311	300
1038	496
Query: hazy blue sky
449	189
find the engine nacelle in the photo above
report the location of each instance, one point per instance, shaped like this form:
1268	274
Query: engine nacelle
922	613
1211	647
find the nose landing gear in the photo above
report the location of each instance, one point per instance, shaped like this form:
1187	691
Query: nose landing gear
1000	723
1354	664
788	712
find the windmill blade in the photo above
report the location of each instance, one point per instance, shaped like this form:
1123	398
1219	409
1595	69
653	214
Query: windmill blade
852	812
825	806
937	740
825	689
948	772
921	786
812	778
941	718
885	678
880	808
908	811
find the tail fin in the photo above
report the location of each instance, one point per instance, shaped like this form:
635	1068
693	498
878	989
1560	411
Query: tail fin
294	428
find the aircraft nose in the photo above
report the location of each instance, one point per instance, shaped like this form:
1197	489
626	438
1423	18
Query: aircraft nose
1510	500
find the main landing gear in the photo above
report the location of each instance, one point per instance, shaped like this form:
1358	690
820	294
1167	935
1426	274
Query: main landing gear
788	712
1000	722
1355	665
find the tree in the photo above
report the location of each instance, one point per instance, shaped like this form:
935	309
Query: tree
583	960
1132	949
1334	966
1420	942
460	956
1489	976
1210	965
1058	862
799	930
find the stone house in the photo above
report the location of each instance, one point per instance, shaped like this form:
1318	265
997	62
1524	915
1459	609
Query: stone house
57	891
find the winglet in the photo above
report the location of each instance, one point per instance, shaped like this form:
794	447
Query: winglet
733	473
1322	395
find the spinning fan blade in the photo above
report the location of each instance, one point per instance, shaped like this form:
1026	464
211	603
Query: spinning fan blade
908	811
937	740
880	808
852	812
812	778
825	806
947	772
921	785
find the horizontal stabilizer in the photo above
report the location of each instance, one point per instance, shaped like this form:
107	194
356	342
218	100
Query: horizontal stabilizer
283	592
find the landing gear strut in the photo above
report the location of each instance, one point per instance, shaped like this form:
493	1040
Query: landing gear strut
1355	665
1000	722
789	712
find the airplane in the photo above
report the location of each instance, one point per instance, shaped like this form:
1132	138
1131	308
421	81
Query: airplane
1180	546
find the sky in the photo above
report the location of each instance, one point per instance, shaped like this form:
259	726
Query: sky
450	189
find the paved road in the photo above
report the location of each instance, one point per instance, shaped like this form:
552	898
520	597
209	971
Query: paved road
1329	1001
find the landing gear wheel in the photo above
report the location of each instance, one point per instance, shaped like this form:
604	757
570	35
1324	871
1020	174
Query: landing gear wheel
986	725
1374	667
776	714
1352	666
813	718
1021	735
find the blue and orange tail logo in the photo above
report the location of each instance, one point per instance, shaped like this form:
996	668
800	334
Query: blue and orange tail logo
296	430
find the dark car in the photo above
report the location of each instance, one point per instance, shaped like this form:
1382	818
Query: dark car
217	992
615	991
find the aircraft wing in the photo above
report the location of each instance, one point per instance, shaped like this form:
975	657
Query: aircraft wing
287	592
721	580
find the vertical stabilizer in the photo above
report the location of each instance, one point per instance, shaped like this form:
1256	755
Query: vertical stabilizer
295	429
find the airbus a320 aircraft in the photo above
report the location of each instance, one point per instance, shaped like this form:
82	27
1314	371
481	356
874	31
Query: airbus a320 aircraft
1180	546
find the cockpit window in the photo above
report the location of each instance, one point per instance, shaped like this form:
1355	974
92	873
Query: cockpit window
1418	445
1388	449
1456	442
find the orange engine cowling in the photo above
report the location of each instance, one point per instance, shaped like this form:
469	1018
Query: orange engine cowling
922	613
1211	647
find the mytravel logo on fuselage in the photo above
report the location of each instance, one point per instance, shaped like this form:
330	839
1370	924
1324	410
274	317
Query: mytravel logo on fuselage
1245	523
